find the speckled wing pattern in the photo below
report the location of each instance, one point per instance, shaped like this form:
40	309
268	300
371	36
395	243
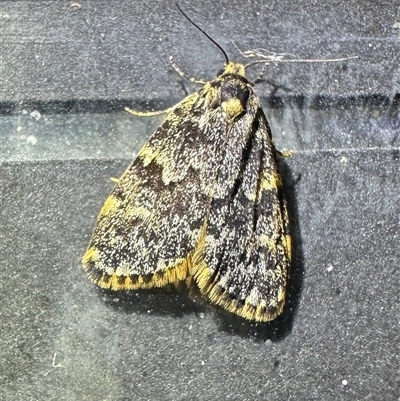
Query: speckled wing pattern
202	202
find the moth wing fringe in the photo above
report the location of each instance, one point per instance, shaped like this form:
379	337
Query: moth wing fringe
117	282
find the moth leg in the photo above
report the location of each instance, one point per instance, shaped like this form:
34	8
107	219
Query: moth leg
148	113
261	74
182	74
159	112
284	153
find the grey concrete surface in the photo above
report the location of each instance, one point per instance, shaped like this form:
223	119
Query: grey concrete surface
67	72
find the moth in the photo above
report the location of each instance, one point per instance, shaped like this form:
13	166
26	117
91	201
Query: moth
202	203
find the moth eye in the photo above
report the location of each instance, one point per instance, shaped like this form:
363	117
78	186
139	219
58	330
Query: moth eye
220	72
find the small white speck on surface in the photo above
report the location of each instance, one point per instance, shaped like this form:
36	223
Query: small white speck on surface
31	140
35	114
329	268
344	382
58	365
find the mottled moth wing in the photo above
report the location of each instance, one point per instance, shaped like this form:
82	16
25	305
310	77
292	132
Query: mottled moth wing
243	261
148	226
203	201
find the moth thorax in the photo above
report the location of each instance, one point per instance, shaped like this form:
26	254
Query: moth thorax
234	97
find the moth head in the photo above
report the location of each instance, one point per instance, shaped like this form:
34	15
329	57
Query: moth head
233	68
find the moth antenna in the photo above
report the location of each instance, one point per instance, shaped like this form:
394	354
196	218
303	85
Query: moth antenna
204	33
272	57
267	57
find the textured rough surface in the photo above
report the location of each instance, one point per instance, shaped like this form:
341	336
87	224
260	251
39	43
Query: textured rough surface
339	323
66	75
